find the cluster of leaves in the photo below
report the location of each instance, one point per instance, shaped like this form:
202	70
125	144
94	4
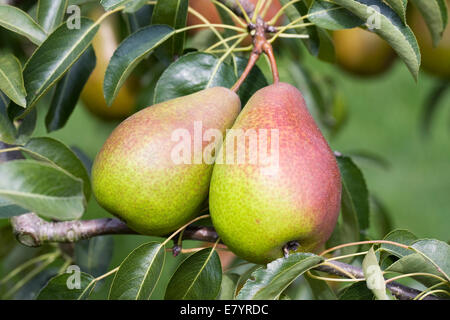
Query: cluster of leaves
53	182
200	276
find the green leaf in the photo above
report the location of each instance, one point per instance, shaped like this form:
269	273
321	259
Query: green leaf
147	92
435	15
58	287
8	209
228	287
138	19
356	291
174	14
327	51
320	289
191	73
354	206
374	275
414	263
347	229
401	236
254	81
391	28
68	90
80	2
284	296
332	17
268	283
129	53
42	188
226	19
31	289
7	130
199	277
8	241
139	273
437	252
27	126
380	219
11	80
55	56
85	159
114	4
93	256
60	156
16	20
135	5
50	13
354	185
399	6
245	276
294	12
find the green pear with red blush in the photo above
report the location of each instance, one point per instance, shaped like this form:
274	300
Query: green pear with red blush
279	187
146	175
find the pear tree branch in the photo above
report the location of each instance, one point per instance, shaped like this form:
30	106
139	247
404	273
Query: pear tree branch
33	231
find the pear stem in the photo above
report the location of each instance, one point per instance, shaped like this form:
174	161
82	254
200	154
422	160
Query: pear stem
251	62
260	46
268	50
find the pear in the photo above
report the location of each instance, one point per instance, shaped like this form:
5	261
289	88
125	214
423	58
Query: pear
275	182
151	172
362	53
105	43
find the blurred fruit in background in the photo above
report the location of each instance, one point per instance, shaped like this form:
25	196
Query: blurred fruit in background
209	11
105	43
362	52
435	60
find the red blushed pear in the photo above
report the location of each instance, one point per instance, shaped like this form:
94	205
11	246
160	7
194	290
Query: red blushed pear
259	207
140	176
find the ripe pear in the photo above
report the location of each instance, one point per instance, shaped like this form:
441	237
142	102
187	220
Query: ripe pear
105	43
150	171
362	53
290	194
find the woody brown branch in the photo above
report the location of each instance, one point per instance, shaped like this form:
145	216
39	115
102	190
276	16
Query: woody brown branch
31	230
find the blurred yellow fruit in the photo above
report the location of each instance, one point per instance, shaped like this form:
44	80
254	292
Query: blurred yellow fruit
435	60
362	52
105	43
